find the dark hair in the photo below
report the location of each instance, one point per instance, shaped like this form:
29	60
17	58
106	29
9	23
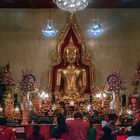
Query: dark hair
3	121
113	117
61	128
136	129
91	122
60	118
61	123
78	115
107	131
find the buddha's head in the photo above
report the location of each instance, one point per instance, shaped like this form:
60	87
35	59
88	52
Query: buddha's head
9	102
71	53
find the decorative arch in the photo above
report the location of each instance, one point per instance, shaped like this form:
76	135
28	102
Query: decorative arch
70	31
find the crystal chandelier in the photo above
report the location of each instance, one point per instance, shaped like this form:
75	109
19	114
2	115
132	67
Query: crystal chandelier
49	30
95	30
72	5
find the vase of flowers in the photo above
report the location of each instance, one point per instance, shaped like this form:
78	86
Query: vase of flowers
6	82
115	85
25	87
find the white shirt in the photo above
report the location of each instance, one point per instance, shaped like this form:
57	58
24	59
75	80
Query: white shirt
133	138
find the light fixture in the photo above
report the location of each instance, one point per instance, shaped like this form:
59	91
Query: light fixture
17	109
49	30
43	95
71	103
89	107
101	95
72	5
1	109
95	30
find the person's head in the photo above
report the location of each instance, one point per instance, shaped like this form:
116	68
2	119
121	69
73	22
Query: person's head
71	53
91	123
78	115
107	131
3	121
106	117
60	119
136	129
113	118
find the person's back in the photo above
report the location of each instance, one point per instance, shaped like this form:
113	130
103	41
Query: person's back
5	132
61	126
136	131
36	134
107	134
78	128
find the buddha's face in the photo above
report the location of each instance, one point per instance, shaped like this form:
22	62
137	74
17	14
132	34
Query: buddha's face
9	104
71	55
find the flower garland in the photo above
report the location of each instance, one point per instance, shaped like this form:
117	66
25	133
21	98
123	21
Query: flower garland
6	78
27	83
116	83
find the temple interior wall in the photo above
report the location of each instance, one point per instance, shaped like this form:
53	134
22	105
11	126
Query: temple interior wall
23	45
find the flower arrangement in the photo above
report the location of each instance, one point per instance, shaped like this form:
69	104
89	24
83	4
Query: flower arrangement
6	79
116	83
45	114
27	83
136	77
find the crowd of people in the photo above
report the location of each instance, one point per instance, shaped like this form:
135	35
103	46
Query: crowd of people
80	129
75	129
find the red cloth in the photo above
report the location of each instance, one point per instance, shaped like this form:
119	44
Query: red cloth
99	131
6	133
78	129
64	136
44	130
40	137
124	137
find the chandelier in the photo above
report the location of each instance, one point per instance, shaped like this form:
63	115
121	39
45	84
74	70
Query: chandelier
72	5
95	30
49	30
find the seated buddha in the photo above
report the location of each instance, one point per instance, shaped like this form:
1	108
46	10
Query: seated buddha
71	79
9	106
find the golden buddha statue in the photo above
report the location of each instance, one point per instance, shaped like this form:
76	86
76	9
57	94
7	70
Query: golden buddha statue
9	106
73	76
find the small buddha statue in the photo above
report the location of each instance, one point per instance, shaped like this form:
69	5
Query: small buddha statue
73	76
9	106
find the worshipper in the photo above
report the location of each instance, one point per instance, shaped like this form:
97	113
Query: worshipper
92	132
60	129
136	132
36	134
78	129
112	121
5	132
107	134
105	120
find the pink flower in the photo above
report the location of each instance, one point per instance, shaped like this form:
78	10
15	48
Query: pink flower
27	83
115	83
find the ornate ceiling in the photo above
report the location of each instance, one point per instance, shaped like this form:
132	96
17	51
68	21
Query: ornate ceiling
50	4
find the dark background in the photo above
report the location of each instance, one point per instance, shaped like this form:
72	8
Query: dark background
50	4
